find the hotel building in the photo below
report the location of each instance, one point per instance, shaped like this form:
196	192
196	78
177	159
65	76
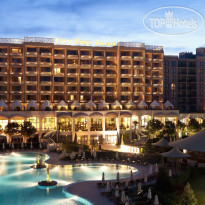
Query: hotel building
184	81
92	92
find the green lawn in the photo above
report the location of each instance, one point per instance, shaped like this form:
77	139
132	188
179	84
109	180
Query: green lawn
198	185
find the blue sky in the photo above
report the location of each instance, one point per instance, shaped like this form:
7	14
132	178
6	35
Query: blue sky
107	20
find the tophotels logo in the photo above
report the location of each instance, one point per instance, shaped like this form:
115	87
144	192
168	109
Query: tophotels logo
173	20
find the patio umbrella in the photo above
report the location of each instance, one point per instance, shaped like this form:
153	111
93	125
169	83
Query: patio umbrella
161	143
127	203
108	187
127	198
117	155
139	187
83	154
145	179
40	145
3	146
117	187
118	177
156	200
156	169
131	175
170	173
123	196
31	146
150	170
94	154
22	145
175	153
12	145
117	194
103	177
149	194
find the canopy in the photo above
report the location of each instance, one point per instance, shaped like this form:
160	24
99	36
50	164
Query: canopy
116	104
194	143
32	104
130	104
62	104
154	104
168	105
103	104
46	104
75	104
142	104
161	143
175	153
16	104
3	104
96	114
90	104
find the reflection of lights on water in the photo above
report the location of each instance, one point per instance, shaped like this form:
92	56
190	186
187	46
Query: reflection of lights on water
47	191
15	154
103	168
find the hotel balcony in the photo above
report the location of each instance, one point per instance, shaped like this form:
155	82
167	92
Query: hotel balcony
85	57
56	65
45	53
73	65
46	63
98	93
111	57
126	57
72	74
138	57
138	66
157	59
98	57
33	63
158	68
16	64
98	74
72	56
126	66
32	54
85	65
111	66
16	54
4	54
98	66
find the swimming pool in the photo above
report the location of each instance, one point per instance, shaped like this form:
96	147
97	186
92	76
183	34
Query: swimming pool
18	182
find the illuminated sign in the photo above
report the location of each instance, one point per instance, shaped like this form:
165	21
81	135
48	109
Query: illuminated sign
80	42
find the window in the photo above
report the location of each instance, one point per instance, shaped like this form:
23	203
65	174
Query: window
34	121
49	123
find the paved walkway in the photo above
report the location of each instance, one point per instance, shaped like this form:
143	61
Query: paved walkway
89	189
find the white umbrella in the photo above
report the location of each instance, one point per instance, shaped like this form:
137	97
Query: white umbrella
156	169
170	173
117	187
131	175
118	177
123	196
145	179
150	170
31	146
149	194
117	194
3	146
108	187
40	145
94	154
127	203
103	177
127	199
83	154
117	155
12	145
22	145
139	187
156	200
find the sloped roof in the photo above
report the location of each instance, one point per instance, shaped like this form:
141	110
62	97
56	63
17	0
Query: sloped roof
46	104
168	104
62	103
16	104
31	104
3	104
116	103
130	103
103	104
194	143
154	104
75	104
142	104
161	143
90	104
175	153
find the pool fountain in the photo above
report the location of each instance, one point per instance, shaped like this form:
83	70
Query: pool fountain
39	163
47	183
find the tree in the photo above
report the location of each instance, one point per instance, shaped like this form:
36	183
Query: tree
154	127
193	126
11	129
188	197
135	123
28	130
169	129
180	128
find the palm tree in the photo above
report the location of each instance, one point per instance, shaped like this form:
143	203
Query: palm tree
28	130
11	129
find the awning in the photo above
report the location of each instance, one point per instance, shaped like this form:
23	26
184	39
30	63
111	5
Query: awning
64	114
125	114
96	114
111	114
3	117
175	153
161	143
80	115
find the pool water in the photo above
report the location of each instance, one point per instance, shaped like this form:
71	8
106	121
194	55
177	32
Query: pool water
18	182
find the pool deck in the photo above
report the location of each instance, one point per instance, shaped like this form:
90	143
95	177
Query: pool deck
89	189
